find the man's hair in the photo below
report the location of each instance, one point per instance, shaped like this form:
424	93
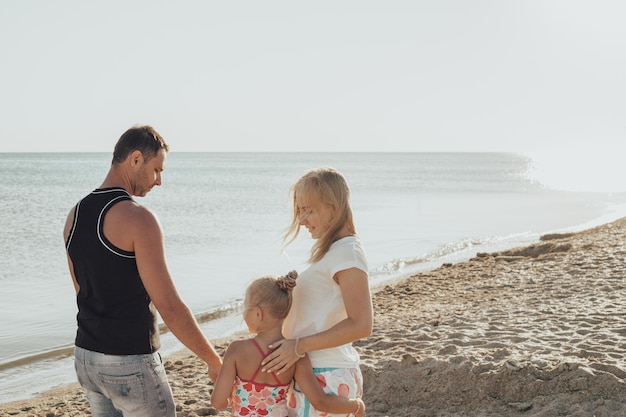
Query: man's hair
139	138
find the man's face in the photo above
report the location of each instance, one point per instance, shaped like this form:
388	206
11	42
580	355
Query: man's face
148	174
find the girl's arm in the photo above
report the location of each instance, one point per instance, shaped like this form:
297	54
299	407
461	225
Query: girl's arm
320	400
355	290
220	398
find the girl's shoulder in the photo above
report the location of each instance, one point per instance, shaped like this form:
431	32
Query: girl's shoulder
239	346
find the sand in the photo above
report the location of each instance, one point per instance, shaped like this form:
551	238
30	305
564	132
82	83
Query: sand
533	331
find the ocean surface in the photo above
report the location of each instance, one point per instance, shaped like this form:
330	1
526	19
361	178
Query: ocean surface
223	216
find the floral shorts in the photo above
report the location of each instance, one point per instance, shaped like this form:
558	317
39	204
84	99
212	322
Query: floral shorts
346	382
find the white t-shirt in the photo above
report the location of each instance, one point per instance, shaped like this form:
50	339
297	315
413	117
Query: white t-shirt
318	304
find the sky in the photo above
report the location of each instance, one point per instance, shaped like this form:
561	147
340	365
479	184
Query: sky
532	76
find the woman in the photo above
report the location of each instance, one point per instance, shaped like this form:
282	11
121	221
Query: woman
332	304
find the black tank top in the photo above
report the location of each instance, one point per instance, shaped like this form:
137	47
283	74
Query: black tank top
115	314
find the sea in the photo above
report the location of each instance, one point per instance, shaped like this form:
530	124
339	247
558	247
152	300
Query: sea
224	215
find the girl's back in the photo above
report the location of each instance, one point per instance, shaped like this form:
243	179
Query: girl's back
253	389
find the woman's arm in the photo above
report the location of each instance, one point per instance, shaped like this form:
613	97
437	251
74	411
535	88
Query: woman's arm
354	284
320	400
220	398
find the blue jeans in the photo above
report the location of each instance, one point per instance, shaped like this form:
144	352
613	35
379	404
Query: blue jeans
129	386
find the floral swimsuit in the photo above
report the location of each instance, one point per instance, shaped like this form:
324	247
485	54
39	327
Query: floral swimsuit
252	399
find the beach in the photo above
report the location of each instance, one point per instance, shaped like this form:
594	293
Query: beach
530	331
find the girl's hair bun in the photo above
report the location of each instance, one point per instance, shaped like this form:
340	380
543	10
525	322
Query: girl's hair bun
288	281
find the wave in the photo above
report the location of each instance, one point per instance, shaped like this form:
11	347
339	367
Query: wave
458	251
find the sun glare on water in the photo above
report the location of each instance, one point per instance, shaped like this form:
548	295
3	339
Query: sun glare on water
581	170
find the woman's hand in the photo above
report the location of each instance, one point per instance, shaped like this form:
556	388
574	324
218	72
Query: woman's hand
282	358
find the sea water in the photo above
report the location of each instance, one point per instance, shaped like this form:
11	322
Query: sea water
224	214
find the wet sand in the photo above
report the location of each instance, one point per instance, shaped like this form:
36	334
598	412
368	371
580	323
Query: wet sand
535	331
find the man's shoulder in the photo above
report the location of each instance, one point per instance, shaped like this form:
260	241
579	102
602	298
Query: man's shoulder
129	211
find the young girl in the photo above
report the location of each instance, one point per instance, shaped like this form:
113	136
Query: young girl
332	303
250	392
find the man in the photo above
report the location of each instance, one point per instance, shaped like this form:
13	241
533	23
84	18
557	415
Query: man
117	261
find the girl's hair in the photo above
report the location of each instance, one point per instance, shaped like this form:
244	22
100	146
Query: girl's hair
272	293
317	187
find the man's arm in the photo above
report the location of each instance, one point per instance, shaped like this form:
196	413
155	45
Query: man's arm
149	251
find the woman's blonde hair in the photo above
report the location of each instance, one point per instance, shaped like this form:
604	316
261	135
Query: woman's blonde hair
272	293
317	187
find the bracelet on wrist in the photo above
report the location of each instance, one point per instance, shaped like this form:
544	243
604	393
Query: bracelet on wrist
358	407
295	349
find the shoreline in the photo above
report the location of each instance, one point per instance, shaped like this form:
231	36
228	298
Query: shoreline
538	330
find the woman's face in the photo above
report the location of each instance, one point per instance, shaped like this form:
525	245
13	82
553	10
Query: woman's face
316	218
